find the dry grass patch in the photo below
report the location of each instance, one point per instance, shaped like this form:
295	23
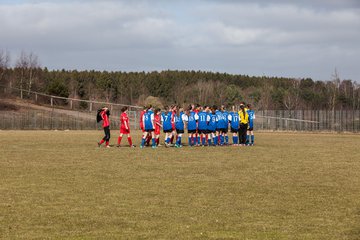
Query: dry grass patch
289	186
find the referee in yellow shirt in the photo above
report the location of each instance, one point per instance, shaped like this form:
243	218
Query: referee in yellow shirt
243	121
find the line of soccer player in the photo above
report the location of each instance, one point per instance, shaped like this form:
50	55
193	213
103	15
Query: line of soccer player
206	126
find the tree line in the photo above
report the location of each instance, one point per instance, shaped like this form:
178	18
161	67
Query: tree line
180	87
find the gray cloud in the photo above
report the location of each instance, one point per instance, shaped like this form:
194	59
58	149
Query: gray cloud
282	38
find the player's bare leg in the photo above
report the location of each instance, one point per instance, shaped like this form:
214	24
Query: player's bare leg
119	139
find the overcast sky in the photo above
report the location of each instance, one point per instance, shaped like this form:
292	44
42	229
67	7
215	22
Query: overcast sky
308	38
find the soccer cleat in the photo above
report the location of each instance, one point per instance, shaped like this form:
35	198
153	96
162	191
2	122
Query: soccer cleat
98	144
118	146
132	146
153	147
141	146
108	146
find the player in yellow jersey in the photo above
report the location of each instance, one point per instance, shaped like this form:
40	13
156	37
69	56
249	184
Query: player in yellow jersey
243	124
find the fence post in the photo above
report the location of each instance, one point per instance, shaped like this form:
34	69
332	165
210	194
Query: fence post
51	101
90	106
353	120
341	121
358	126
134	119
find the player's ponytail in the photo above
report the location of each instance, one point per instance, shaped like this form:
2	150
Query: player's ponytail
242	106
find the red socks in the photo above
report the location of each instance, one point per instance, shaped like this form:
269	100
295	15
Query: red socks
129	140
148	138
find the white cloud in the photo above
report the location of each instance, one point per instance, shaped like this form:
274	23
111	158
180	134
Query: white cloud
232	36
82	25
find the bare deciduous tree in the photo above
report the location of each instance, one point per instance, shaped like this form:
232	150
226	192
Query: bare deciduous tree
33	65
292	96
22	63
335	84
4	63
27	65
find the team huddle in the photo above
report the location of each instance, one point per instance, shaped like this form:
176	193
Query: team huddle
205	125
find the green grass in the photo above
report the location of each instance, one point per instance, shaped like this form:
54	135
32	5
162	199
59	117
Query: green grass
59	185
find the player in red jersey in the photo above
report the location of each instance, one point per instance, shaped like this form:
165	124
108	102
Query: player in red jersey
124	127
106	125
141	121
157	125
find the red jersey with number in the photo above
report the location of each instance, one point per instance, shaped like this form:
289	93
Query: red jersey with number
124	123
157	122
105	118
173	120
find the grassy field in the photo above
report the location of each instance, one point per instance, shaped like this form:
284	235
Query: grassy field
59	185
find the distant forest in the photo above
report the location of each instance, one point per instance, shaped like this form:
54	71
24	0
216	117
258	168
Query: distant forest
180	87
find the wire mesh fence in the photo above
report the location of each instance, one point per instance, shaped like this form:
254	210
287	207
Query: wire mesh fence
271	120
309	120
52	120
76	114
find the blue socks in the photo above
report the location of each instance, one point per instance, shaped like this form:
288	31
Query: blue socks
235	140
143	142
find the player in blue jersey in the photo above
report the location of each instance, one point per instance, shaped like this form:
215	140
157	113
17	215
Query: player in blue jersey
224	127
203	122
166	119
197	109
173	134
192	119
148	122
179	119
250	133
219	125
234	125
212	127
